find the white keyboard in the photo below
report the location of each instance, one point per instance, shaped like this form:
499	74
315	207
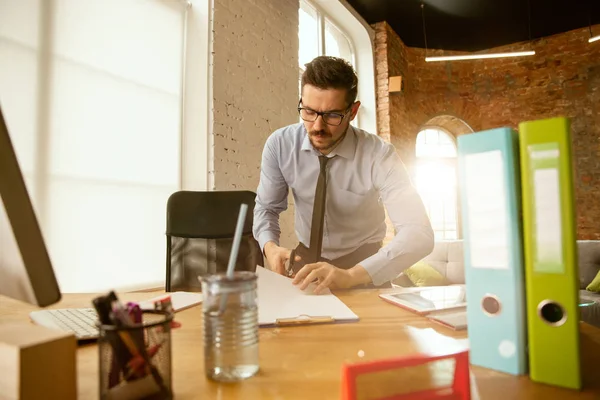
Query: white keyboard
80	321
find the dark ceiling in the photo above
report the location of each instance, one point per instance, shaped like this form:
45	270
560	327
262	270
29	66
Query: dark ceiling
473	25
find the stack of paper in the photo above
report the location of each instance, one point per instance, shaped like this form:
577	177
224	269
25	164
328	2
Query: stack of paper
279	299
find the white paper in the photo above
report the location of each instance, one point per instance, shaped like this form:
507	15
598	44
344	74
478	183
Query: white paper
548	227
487	210
179	300
278	299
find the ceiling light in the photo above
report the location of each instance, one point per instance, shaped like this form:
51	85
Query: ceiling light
592	37
479	56
475	56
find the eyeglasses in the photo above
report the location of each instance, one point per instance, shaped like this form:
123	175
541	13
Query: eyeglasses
330	118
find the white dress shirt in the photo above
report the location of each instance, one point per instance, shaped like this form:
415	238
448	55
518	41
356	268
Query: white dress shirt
365	175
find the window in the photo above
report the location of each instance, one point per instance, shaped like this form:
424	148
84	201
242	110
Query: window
334	28
336	43
92	94
435	180
317	36
308	34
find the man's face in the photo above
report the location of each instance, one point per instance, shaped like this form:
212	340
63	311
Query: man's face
324	137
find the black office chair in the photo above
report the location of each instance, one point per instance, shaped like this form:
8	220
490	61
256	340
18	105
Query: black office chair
200	230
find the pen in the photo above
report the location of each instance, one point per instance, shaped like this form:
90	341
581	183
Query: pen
133	339
135	312
137	362
164	304
118	311
135	354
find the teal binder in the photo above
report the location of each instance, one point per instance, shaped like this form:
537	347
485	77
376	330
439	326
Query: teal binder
489	178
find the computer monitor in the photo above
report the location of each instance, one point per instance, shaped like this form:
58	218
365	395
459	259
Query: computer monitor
26	272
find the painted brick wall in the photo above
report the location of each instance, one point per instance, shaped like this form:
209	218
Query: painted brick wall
255	88
563	78
381	81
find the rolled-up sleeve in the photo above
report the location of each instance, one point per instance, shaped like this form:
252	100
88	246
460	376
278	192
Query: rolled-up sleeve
414	237
271	195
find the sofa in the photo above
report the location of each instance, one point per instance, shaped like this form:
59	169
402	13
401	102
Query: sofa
447	259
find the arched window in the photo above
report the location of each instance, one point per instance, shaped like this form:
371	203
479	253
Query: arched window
435	179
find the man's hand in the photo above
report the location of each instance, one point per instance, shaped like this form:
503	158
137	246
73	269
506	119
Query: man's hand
329	276
277	257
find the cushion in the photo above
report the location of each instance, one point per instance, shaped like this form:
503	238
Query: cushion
423	274
447	258
589	261
594	286
403	281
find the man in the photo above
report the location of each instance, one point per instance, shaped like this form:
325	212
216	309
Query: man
341	177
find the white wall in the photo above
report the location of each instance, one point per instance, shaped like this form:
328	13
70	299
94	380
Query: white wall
255	89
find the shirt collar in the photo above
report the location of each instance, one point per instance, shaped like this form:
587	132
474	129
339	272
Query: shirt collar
345	149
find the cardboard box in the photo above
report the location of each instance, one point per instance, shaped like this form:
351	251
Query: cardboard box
395	84
37	363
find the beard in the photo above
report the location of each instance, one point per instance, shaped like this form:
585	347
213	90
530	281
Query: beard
324	141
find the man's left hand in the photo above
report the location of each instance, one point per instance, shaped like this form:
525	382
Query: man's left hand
325	275
329	276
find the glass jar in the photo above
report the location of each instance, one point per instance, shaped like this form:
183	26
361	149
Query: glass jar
230	326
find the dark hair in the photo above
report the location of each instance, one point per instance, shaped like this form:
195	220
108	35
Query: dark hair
326	72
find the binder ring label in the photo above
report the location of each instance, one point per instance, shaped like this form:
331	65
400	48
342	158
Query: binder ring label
491	305
552	313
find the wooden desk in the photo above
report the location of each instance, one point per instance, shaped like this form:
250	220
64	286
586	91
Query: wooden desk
304	362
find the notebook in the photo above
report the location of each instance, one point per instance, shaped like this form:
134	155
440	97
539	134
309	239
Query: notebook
282	303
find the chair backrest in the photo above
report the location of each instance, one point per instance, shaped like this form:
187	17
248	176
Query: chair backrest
200	230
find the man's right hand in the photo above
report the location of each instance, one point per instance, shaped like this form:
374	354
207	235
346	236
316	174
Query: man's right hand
277	257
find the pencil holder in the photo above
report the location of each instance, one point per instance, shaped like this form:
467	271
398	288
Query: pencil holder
135	360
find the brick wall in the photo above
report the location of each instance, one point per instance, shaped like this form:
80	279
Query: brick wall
563	78
255	88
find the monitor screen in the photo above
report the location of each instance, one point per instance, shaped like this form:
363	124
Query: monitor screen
26	272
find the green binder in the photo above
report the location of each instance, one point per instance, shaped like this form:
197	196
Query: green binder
551	271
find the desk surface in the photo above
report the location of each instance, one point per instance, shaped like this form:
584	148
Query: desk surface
304	362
